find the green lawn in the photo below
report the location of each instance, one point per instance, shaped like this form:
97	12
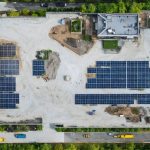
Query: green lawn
110	44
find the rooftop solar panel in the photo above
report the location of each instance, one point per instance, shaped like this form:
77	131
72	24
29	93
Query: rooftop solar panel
7	84
7	50
9	67
38	67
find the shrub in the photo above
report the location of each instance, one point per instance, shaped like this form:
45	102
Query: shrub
13	13
25	12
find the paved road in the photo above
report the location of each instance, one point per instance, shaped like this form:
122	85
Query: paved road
104	138
50	136
36	6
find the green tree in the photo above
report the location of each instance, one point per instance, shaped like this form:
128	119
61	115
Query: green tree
101	8
147	6
46	147
135	8
41	12
91	8
121	7
112	8
115	147
83	8
92	147
58	147
71	147
131	146
25	12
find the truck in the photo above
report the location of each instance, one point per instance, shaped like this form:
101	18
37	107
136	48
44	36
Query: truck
124	136
20	136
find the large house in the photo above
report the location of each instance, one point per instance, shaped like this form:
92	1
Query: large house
116	25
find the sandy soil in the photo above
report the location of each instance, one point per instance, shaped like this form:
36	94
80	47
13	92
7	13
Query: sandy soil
54	100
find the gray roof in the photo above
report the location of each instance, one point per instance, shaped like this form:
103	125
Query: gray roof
117	25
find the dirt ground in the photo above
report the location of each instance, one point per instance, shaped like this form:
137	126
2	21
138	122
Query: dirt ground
132	113
62	32
144	23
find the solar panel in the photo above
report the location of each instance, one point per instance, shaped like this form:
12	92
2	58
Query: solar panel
7	50
9	67
7	106
38	67
7	84
104	99
144	99
120	74
8	100
112	99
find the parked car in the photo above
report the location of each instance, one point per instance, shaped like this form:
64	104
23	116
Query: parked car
86	135
60	4
2	139
44	4
20	136
109	133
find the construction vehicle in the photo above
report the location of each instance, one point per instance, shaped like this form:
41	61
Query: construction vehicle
124	136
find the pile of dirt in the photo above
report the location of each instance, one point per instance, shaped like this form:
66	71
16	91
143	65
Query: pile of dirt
52	65
130	113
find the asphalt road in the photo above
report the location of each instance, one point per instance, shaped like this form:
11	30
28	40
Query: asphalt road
50	136
104	138
36	6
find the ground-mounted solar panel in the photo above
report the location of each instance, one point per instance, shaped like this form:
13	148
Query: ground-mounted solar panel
7	50
7	106
38	67
9	100
7	84
144	99
120	74
9	67
112	99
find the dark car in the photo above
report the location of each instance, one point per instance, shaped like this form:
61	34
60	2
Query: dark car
44	4
60	4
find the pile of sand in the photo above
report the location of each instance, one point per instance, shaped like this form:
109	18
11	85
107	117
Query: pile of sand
52	65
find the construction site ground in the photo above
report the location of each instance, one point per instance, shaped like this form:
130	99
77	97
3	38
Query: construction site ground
54	100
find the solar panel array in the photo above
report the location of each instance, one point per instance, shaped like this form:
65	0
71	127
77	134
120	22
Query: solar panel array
112	98
38	67
119	74
7	84
7	50
9	67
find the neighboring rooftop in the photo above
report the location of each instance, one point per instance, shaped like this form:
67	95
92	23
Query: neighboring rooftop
122	25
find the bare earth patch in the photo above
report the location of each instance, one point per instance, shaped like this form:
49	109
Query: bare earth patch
73	41
131	113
